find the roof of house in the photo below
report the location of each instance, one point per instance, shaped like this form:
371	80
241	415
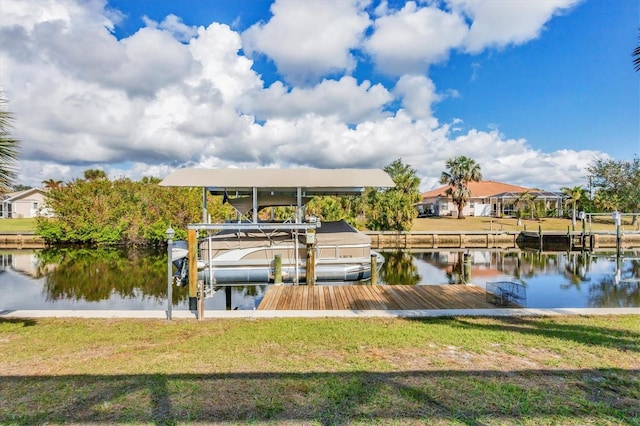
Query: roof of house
484	188
12	196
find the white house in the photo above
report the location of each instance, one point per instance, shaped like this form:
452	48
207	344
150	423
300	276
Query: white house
23	204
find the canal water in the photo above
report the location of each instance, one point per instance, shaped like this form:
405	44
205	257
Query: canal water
115	279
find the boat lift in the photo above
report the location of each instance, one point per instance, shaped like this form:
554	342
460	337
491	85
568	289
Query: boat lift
264	185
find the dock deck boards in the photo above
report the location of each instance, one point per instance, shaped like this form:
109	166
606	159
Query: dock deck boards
367	297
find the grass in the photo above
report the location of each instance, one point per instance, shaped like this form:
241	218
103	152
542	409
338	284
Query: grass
434	224
466	371
17	225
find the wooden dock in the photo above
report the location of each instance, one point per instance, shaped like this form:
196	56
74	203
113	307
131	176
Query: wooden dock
368	297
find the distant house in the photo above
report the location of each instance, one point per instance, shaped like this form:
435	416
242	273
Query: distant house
23	204
488	198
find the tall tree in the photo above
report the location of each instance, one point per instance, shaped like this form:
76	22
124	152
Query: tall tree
574	195
94	174
20	187
617	185
521	202
460	171
8	149
52	184
393	208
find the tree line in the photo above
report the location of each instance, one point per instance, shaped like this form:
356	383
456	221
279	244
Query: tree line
97	210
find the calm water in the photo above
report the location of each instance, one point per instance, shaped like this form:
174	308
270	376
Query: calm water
136	280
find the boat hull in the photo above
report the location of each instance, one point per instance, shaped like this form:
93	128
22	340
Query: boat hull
237	273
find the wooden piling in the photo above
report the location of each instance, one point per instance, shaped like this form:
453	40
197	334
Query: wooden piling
466	268
311	265
374	269
277	269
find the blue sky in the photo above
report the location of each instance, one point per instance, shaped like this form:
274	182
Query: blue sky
532	90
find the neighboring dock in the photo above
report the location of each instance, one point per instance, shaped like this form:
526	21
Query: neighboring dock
577	241
537	240
380	297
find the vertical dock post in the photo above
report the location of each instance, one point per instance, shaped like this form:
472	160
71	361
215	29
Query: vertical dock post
169	233
227	297
583	239
277	269
311	265
200	299
616	218
541	239
466	268
374	269
311	256
192	243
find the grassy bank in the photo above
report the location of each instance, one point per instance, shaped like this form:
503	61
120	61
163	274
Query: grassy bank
27	225
442	224
471	371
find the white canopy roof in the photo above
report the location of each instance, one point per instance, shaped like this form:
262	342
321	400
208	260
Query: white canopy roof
281	181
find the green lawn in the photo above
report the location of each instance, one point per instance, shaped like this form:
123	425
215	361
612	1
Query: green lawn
460	371
17	225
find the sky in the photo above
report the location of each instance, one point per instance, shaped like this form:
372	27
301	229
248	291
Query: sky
532	90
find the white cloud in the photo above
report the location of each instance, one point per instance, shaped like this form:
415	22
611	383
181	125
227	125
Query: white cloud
417	93
228	73
411	39
499	23
148	103
343	98
174	25
309	39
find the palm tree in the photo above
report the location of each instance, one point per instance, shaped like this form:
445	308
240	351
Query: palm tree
95	174
530	200
52	184
573	197
520	202
526	199
8	149
636	58
461	171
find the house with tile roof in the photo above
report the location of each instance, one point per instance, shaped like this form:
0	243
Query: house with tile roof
488	198
23	204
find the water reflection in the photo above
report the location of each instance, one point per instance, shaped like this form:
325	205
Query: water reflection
66	278
399	268
552	280
97	274
101	278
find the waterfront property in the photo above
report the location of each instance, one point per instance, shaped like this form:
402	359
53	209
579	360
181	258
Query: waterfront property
488	198
23	204
296	250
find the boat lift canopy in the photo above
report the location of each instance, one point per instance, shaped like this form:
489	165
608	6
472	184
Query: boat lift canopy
281	181
266	185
